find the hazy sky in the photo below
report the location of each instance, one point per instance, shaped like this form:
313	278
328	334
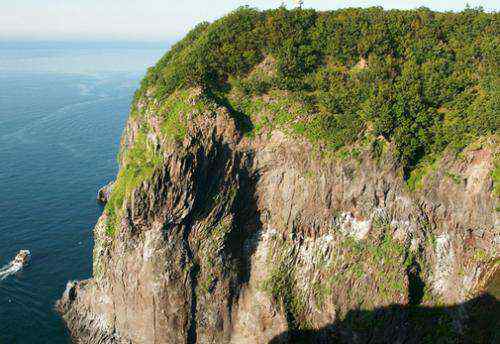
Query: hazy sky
154	20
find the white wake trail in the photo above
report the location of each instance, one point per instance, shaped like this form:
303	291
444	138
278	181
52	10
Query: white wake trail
8	270
16	265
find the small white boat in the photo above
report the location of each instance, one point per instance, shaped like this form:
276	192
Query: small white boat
22	258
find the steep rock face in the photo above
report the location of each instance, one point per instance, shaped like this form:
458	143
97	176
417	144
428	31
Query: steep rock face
232	240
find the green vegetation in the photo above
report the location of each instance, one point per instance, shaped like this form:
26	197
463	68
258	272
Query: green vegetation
144	156
281	286
454	177
480	255
140	161
176	110
421	79
415	180
496	177
341	275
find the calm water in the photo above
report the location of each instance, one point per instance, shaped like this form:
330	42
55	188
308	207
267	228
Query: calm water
62	111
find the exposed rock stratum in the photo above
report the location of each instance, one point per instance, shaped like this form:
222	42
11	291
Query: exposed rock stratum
237	240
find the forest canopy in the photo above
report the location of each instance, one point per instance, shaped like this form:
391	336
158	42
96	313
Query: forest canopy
423	80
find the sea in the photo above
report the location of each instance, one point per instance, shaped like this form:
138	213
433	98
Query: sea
63	106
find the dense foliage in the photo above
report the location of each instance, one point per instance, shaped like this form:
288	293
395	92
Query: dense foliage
426	80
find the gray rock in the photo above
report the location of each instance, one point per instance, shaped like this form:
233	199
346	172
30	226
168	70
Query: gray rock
497	240
104	193
479	233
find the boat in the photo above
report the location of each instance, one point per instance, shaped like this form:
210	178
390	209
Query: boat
22	258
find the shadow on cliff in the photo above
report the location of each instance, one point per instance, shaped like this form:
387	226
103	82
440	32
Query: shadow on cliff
225	187
409	324
244	240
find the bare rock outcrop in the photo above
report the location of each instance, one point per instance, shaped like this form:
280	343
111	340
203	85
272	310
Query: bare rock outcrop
104	193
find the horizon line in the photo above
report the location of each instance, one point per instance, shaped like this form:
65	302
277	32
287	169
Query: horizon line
82	37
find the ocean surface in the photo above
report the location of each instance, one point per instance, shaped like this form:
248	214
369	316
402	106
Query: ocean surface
62	110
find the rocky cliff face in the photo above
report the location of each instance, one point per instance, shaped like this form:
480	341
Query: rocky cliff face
238	240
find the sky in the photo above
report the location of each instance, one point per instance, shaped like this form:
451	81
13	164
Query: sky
155	20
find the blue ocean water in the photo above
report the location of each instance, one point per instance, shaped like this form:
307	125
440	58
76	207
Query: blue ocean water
62	111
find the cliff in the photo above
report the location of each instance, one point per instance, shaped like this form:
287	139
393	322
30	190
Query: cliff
230	223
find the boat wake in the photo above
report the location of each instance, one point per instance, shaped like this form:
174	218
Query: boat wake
8	270
16	265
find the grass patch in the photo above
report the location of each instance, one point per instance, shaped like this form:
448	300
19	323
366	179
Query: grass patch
140	162
415	180
495	175
179	108
454	177
280	285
